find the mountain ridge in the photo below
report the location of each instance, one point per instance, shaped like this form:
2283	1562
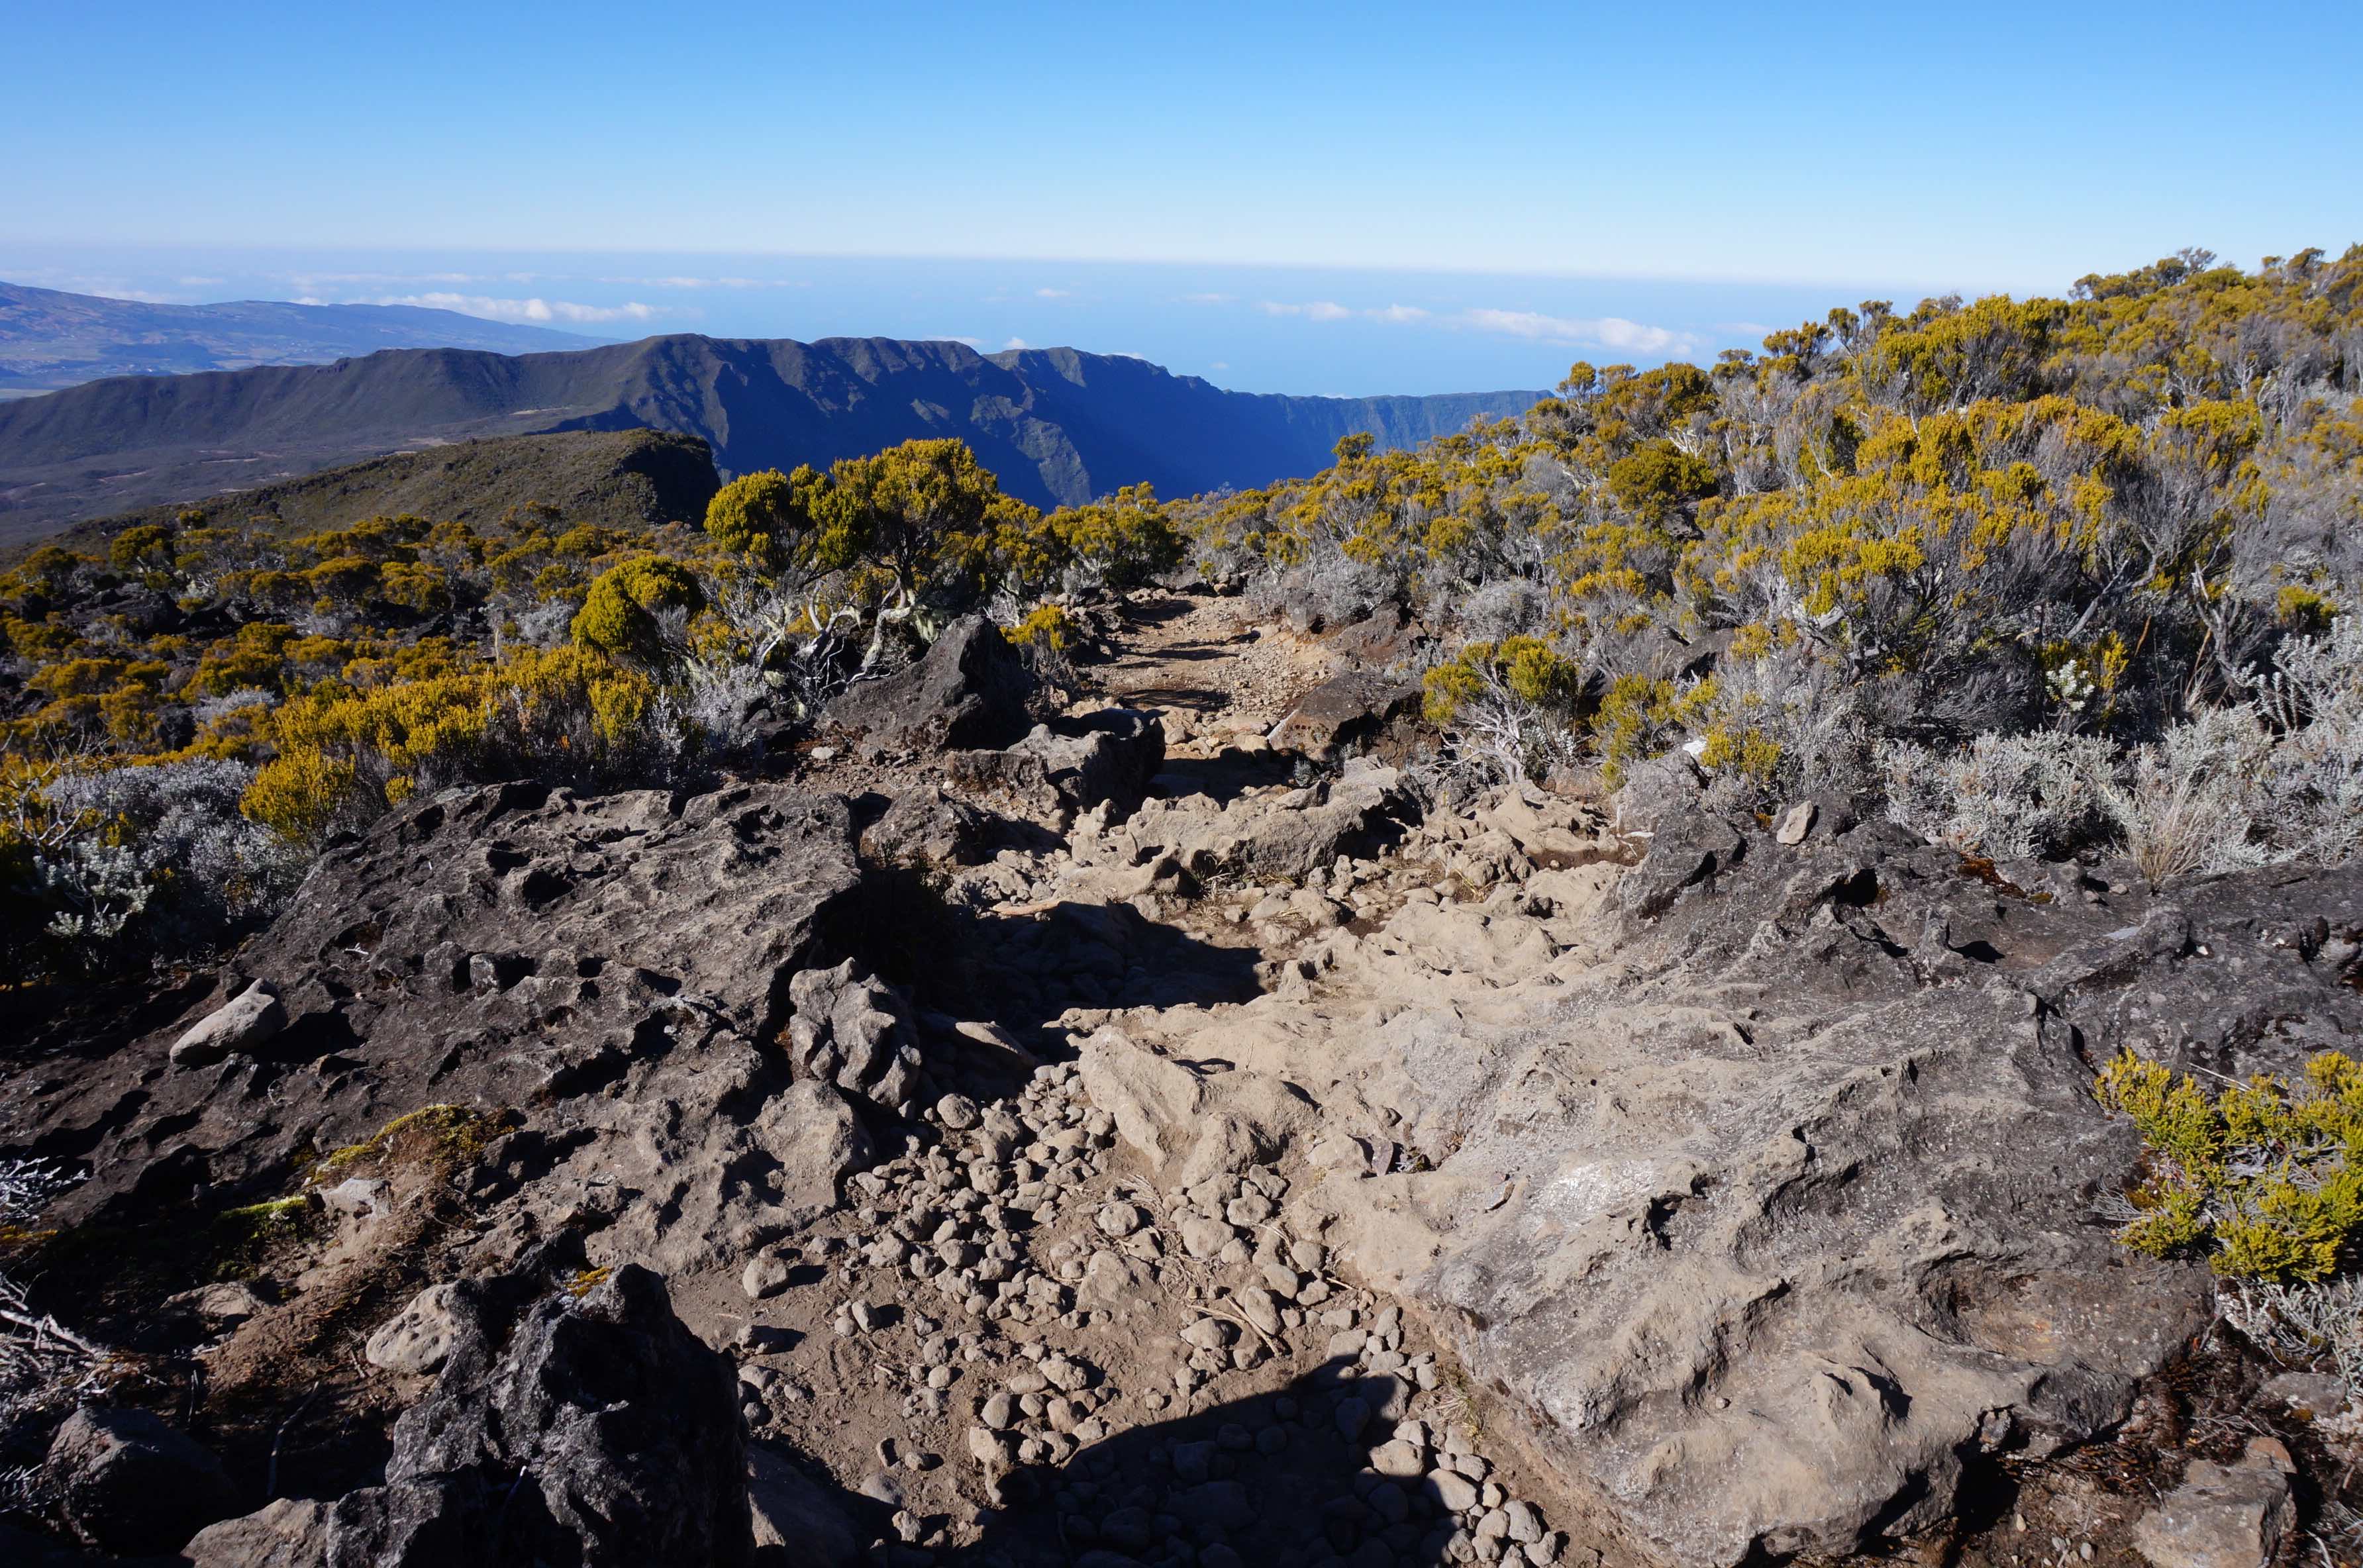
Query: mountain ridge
1058	425
630	481
50	339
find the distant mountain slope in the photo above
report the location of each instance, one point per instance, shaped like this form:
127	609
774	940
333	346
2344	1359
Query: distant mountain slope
1056	424
629	479
50	339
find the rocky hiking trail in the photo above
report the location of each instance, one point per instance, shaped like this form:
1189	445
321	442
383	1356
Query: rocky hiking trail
1152	1130
1041	1338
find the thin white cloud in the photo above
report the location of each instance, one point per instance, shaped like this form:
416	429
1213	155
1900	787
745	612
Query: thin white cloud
1220	365
1208	298
1604	331
311	282
1052	294
693	282
202	282
529	312
1397	312
1316	310
1013	343
136	296
975	343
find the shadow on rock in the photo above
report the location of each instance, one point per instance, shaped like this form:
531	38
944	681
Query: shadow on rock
1323	1469
1026	968
1223	777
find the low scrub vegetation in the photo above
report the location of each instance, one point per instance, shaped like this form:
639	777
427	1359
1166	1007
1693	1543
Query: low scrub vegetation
45	1366
2036	577
2264	1181
193	710
2052	575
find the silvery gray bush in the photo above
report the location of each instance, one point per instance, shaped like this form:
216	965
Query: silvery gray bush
159	852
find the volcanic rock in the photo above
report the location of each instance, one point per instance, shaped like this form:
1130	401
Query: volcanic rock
244	1021
968	690
601	1432
1342	712
129	1484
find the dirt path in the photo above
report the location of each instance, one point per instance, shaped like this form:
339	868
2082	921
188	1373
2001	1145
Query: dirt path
1030	1342
1212	669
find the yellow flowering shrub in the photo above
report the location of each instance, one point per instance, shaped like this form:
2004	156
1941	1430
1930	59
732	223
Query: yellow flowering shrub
2262	1179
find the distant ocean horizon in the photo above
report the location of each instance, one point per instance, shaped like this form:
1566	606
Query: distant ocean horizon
1305	330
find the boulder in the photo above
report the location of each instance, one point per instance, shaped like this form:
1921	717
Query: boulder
849	1030
1060	771
241	1023
418	1339
601	1432
1379	638
1343	713
1656	790
1688	849
126	1483
967	690
925	827
798	1523
290	1533
2221	1517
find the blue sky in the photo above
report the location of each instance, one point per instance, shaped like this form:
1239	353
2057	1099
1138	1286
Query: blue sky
1519	173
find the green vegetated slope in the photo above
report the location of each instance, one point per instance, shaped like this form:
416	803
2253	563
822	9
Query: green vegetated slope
1059	427
629	479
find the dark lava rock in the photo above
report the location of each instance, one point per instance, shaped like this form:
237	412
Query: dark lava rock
129	1484
601	1434
1347	711
1060	770
968	691
927	826
615	969
1689	848
1859	1047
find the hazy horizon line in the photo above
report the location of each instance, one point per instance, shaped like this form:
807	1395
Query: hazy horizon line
1726	277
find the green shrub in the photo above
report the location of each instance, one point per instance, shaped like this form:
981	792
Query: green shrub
1045	626
621	615
570	712
299	794
761	515
1530	668
2260	1178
